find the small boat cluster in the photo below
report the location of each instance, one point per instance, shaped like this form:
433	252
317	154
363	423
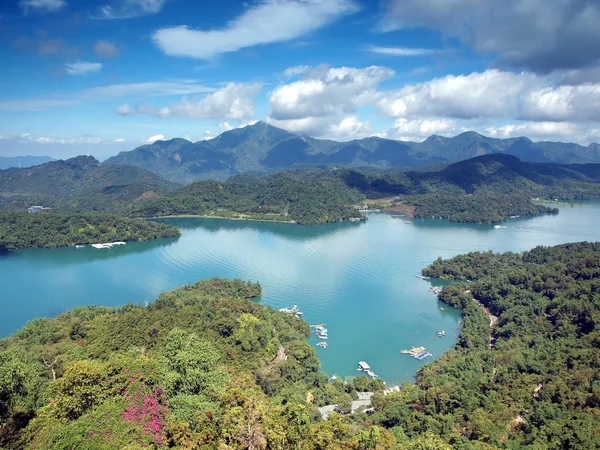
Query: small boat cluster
441	333
321	332
417	352
364	367
293	310
422	277
435	290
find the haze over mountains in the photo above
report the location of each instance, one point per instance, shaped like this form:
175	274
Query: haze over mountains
265	148
7	162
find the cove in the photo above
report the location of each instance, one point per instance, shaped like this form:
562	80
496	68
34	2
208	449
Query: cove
357	278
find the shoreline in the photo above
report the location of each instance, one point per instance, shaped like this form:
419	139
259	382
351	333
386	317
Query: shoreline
200	216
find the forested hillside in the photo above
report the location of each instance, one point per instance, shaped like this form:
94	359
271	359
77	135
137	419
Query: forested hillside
482	190
78	184
47	229
309	198
200	368
530	381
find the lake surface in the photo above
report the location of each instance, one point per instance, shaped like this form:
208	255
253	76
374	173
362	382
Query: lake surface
357	278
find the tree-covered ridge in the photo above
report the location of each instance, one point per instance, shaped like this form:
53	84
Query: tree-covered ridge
48	229
78	184
200	368
531	380
308	198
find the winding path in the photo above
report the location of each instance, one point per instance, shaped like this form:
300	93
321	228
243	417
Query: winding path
493	321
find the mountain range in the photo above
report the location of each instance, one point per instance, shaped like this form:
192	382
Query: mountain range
264	148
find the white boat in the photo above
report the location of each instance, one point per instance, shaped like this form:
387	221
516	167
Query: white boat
80	246
323	336
322	344
107	245
362	365
441	333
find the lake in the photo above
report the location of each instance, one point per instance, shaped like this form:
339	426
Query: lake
357	278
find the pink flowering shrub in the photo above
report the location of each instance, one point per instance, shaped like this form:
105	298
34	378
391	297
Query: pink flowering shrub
147	408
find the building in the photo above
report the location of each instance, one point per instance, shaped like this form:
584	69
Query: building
35	209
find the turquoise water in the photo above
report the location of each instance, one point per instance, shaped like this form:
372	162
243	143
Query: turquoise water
358	279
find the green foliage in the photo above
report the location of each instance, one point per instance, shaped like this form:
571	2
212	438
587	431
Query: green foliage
78	184
307	198
44	229
531	380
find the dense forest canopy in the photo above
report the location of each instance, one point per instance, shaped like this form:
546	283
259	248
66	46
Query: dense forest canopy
49	229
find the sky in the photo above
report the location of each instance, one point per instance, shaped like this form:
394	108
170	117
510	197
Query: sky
98	77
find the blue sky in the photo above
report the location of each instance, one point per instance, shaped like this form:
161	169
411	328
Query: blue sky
99	77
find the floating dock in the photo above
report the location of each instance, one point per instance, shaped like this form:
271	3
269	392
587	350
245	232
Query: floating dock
107	245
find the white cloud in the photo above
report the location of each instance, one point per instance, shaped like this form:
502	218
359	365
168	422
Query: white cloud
494	93
233	101
127	9
326	92
348	129
294	71
105	49
118	140
153	139
124	110
111	91
42	5
538	131
266	22
81	68
225	126
538	35
402	51
420	129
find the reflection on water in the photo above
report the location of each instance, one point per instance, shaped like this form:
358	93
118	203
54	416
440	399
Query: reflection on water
357	278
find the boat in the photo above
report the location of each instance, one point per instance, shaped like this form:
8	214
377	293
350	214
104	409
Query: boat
413	351
322	344
333	377
362	365
422	277
80	246
441	333
322	336
293	310
107	245
372	374
407	222
424	354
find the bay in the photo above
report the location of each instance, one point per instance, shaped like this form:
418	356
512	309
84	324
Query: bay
358	279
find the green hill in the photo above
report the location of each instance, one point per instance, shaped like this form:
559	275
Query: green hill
78	184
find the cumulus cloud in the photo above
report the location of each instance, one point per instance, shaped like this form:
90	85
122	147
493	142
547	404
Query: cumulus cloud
349	128
324	97
127	9
538	131
82	68
401	51
420	129
494	93
153	139
42	6
233	101
105	49
266	22
537	35
326	92
295	71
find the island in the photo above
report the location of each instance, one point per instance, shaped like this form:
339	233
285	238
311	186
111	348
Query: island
49	229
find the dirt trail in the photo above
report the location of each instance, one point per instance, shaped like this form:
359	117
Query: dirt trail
493	322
